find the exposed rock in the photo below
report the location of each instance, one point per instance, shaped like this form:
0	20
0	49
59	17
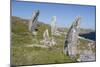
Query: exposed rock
46	38
34	33
53	42
36	45
87	55
70	46
48	41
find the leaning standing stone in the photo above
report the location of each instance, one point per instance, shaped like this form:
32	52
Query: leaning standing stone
70	46
33	21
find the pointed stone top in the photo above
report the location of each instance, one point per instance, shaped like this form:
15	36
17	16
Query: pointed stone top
36	11
77	21
54	18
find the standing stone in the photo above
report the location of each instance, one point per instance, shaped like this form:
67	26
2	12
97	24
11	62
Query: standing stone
53	26
33	21
70	46
46	38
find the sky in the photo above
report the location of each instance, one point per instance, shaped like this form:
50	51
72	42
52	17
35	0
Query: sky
65	13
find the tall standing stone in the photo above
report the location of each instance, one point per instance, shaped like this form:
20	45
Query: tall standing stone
70	46
53	30
33	21
53	26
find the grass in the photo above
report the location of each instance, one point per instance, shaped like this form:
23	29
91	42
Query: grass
22	55
36	55
83	45
19	32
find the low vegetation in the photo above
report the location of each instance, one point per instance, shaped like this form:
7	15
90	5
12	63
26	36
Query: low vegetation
22	55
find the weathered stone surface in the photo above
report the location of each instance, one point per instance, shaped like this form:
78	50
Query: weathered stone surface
54	30
46	35
46	38
70	46
48	41
33	21
88	54
53	26
53	42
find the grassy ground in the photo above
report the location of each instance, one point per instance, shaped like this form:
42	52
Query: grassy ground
22	55
37	55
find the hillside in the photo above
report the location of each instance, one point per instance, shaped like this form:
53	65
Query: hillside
23	45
